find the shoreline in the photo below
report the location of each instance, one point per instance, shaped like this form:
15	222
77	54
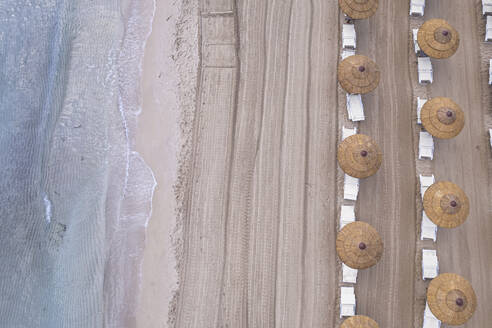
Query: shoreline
156	141
163	138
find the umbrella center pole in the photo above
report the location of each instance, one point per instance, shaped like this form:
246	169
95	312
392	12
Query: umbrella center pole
446	116
442	35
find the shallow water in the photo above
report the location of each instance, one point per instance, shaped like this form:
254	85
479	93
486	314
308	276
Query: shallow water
74	197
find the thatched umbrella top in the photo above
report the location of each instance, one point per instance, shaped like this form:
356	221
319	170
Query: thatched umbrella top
359	321
359	156
358	74
359	9
359	245
451	298
442	118
438	39
446	204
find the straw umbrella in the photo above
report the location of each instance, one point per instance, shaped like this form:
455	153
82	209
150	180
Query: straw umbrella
358	74
442	118
359	321
359	245
438	39
451	299
359	9
446	204
359	156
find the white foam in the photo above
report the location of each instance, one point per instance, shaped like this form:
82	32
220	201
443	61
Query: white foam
47	208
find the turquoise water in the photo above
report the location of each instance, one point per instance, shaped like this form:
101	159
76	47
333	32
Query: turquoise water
74	197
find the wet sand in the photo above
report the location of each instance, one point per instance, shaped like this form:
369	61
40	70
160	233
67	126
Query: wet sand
260	188
158	139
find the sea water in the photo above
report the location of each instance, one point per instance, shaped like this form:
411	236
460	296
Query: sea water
74	195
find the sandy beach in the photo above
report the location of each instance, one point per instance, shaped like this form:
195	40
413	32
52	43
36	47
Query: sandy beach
160	118
164	140
242	116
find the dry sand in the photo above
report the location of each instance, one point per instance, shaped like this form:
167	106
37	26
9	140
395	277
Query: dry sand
466	159
387	199
259	189
259	228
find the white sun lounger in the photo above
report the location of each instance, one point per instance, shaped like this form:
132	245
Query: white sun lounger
347	53
355	108
416	47
490	72
417	7
347	301
420	104
348	36
430	264
347	215
347	132
349	274
430	321
429	229
486	7
350	188
426	146
425	70
488	29
425	182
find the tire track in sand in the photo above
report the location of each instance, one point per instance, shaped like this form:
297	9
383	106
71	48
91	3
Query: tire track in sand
274	218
